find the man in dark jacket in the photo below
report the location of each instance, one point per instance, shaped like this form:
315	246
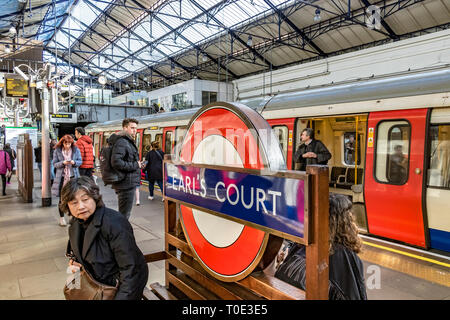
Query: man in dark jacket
311	151
125	158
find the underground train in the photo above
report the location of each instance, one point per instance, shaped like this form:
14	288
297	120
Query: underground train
390	143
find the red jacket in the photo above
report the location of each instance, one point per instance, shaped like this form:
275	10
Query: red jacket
87	151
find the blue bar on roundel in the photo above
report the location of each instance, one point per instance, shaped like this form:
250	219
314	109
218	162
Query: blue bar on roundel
269	201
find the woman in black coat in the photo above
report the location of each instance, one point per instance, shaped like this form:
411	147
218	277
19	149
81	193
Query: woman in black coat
153	168
102	240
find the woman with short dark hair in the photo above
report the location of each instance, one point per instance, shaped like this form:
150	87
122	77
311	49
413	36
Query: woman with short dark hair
101	240
346	271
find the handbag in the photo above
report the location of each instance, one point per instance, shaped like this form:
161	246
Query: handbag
85	287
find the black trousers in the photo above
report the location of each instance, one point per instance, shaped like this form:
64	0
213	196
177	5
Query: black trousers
85	172
125	200
3	184
61	214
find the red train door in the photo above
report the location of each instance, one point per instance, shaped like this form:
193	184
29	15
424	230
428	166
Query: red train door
394	175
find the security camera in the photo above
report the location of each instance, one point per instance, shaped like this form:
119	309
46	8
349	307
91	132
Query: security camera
20	72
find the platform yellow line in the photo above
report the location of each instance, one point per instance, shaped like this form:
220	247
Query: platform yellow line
408	254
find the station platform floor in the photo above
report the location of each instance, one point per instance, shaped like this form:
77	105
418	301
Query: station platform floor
33	263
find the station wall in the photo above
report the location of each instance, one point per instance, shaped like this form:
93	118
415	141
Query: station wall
422	52
193	89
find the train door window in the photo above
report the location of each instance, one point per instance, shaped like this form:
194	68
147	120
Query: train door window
180	132
146	144
97	149
352	149
281	132
439	171
158	138
138	141
168	142
392	152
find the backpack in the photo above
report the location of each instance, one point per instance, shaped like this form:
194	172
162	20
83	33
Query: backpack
109	174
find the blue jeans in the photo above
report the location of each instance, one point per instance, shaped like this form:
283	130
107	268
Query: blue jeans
52	171
151	186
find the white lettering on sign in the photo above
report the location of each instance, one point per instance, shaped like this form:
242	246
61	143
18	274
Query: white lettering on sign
233	194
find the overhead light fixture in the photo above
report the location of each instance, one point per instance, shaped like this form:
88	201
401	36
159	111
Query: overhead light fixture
20	72
250	41
7	48
204	58
317	15
12	32
102	80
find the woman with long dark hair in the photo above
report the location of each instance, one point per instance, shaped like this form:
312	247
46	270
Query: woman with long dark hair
346	272
66	160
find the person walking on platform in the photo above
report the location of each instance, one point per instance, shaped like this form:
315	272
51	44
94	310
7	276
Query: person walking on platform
125	159
101	240
5	167
311	151
153	168
38	156
84	143
66	160
12	158
346	271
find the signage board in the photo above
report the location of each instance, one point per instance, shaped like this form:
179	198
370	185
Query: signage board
273	201
16	87
228	207
63	118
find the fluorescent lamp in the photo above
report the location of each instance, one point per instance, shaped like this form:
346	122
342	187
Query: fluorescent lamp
23	75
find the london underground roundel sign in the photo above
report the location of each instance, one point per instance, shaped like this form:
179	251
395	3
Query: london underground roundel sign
232	135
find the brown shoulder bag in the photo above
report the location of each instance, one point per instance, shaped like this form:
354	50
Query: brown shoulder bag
85	287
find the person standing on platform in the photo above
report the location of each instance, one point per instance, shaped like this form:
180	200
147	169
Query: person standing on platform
125	158
84	143
5	167
66	160
101	240
346	271
311	151
153	168
12	158
38	156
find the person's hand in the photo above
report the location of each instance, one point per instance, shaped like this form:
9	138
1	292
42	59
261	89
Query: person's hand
75	264
65	162
72	162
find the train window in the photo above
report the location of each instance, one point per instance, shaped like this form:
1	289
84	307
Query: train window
350	149
159	138
168	142
180	132
146	144
392	152
138	140
439	171
281	132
